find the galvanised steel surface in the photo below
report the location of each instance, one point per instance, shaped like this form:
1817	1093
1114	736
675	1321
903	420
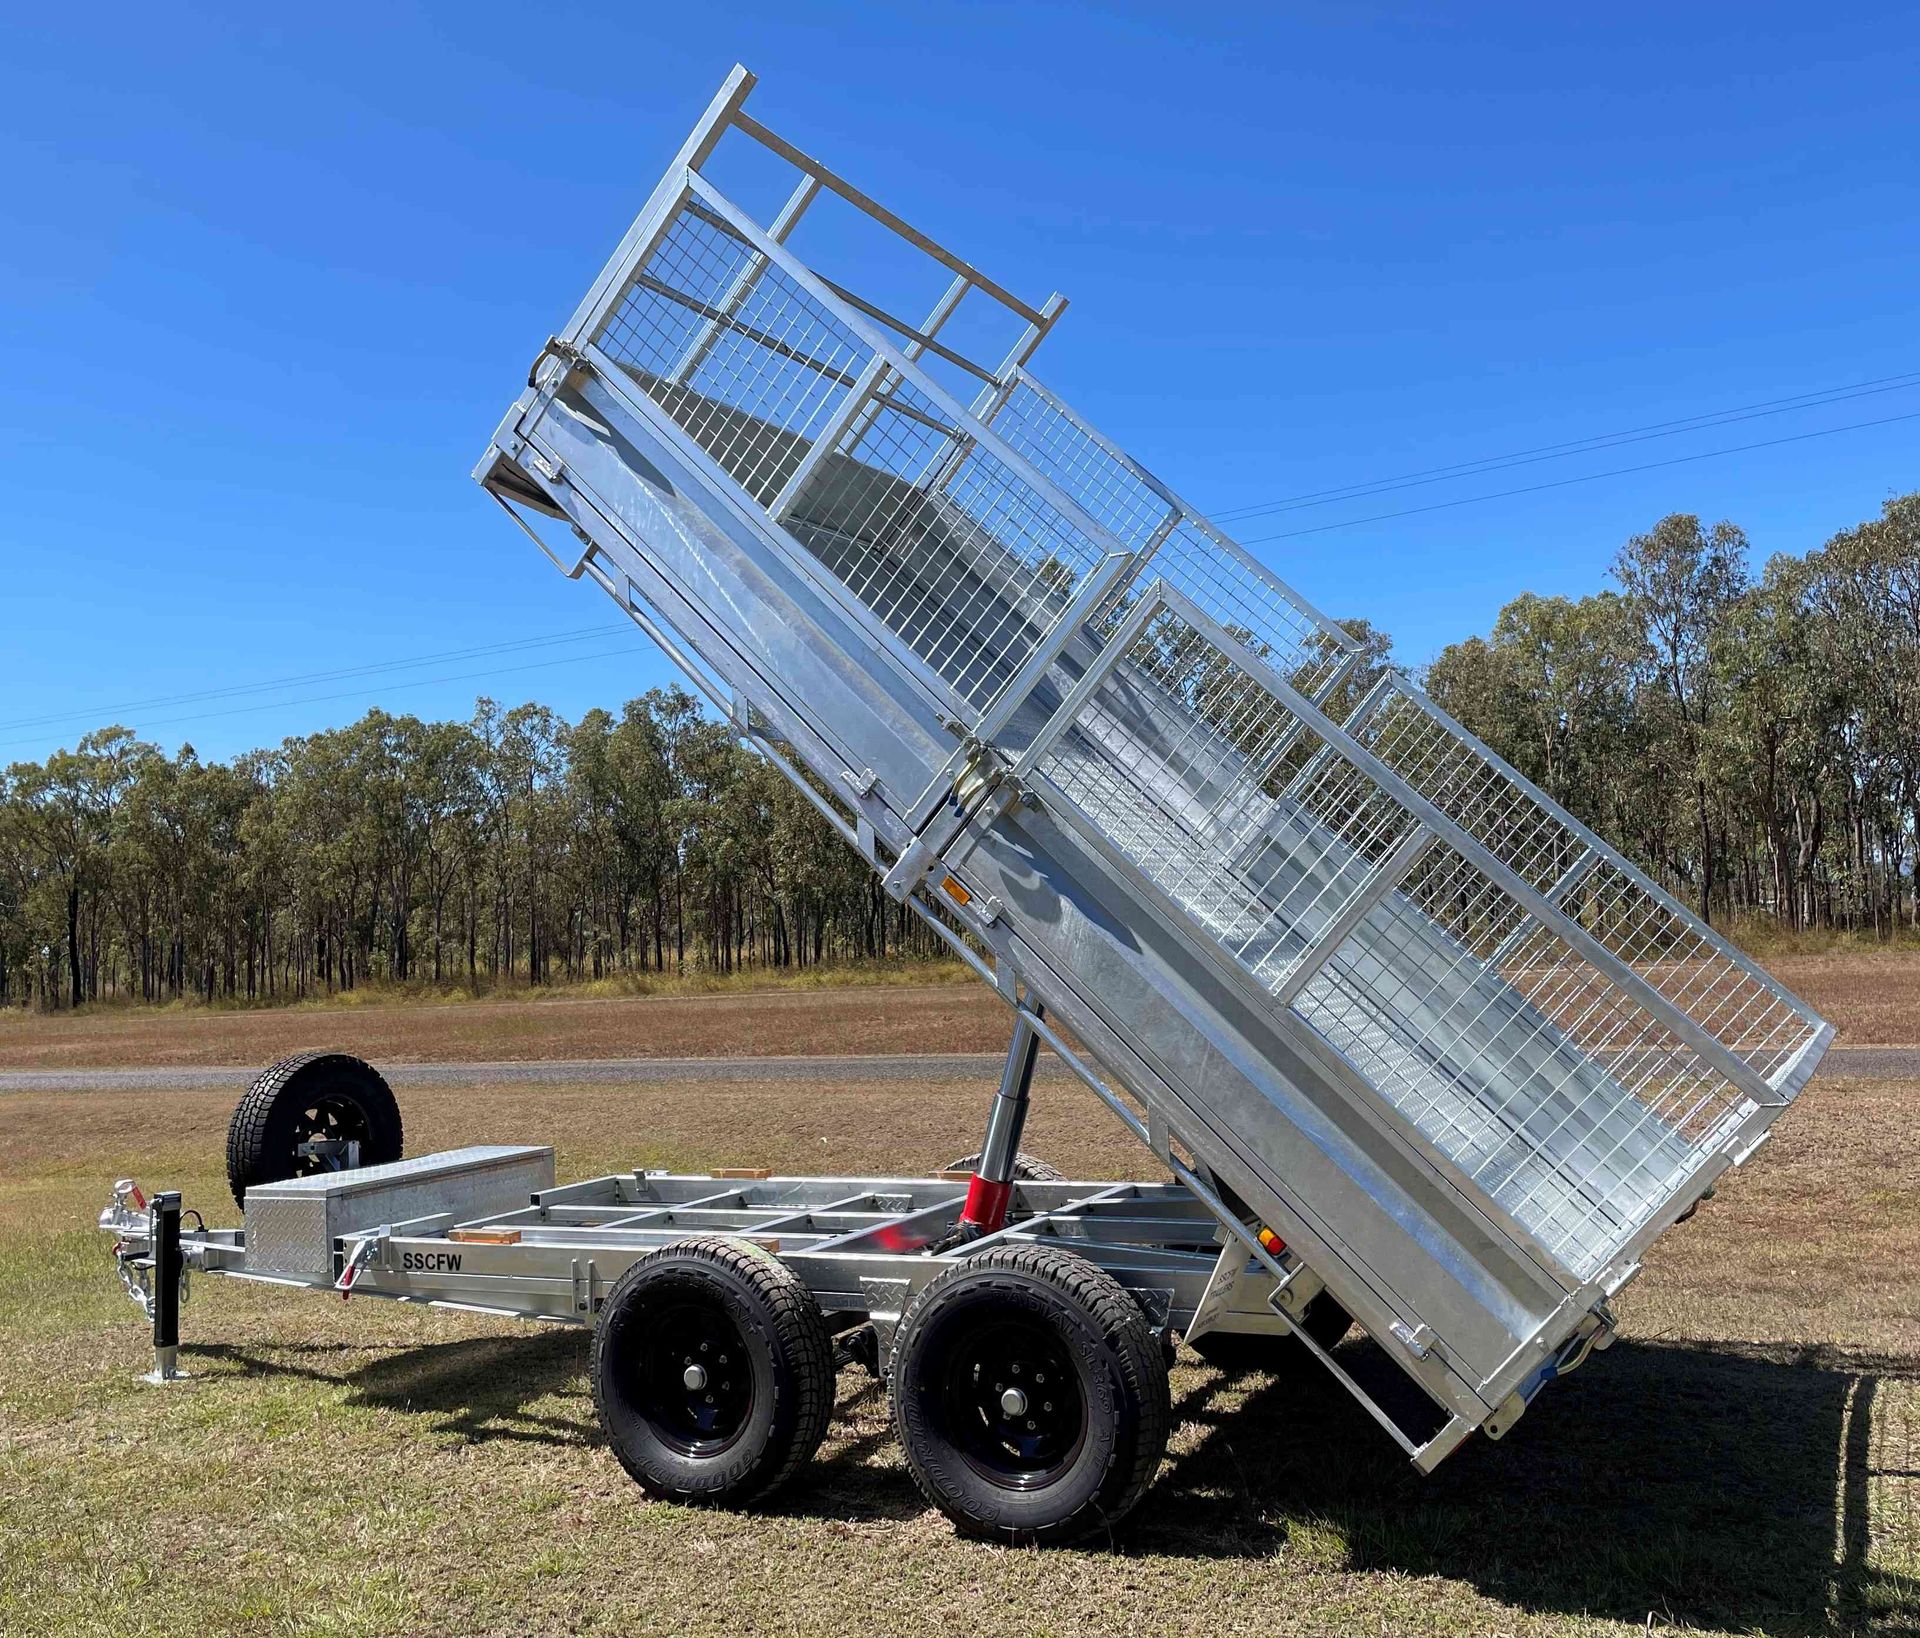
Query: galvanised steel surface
863	1244
1325	952
292	1226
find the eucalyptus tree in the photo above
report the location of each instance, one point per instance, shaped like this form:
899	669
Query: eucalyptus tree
1682	578
1864	585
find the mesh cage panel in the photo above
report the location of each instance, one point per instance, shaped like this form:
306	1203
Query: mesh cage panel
1189	764
1569	1105
1533	1062
1690	968
959	554
747	363
1182	548
1666	947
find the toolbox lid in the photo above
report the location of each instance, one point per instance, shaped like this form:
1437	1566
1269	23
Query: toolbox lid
477	1157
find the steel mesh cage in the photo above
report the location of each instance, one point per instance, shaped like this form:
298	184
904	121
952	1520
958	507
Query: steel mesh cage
1568	1104
1568	1040
951	548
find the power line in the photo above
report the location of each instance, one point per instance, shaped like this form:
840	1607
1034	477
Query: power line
359	693
1660	429
1705	421
516	645
1586	477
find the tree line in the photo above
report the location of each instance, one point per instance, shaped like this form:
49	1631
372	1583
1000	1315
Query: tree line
513	845
1753	742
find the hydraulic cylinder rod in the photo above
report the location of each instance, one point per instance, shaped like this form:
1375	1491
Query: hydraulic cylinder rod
987	1195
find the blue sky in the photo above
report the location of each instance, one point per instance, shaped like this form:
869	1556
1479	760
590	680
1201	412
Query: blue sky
268	276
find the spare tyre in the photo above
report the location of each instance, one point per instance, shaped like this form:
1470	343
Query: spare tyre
313	1112
1026	1168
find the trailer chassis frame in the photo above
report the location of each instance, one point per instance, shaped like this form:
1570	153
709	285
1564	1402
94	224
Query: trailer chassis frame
863	1245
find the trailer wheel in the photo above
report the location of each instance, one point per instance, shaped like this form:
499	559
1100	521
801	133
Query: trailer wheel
1030	1395
312	1097
712	1372
1326	1322
1026	1168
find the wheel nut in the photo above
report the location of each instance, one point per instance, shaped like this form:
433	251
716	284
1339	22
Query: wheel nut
695	1377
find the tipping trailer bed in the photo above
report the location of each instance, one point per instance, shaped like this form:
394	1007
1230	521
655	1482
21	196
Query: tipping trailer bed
1402	1031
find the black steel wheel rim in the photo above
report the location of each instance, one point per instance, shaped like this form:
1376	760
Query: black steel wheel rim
1010	1399
332	1117
693	1380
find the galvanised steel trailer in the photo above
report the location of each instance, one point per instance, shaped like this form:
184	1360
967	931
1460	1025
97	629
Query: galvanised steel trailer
1419	1052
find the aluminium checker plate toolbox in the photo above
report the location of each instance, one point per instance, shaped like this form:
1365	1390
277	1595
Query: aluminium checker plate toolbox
294	1227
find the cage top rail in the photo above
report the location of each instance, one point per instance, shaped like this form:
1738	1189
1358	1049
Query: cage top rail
727	112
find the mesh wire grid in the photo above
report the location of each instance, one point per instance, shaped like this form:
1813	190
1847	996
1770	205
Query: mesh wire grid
1679	958
958	553
743	358
1569	1104
1178	545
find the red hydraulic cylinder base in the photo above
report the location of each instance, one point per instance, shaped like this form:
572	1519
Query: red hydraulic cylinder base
986	1209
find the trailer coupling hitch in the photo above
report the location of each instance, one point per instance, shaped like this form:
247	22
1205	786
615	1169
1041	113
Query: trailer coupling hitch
127	1219
363	1251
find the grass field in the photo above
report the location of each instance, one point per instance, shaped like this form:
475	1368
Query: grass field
1746	1459
1873	996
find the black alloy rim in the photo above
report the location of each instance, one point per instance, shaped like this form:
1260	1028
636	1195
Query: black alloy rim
333	1117
694	1379
1010	1400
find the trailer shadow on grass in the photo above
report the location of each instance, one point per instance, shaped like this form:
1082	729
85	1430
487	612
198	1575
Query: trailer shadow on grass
1699	1484
478	1389
1712	1485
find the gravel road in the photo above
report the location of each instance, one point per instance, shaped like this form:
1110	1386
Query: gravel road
1872	1063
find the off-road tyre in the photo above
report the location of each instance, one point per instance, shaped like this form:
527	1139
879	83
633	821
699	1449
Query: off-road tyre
1043	1310
311	1094
1026	1168
712	1444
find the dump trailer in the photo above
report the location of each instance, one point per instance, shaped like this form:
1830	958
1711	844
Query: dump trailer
1423	1063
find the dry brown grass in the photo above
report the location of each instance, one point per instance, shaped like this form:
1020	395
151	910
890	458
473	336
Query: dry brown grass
1744	1460
1873	996
893	1018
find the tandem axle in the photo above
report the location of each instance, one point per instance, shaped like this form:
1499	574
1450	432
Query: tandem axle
1027	1353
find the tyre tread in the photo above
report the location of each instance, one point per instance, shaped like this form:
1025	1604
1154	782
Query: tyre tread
1143	1372
1026	1168
253	1115
801	1329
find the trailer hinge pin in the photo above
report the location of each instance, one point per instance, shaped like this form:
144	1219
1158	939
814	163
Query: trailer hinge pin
1418	1340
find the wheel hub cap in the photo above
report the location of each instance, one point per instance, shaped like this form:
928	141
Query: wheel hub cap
695	1382
1011	1400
